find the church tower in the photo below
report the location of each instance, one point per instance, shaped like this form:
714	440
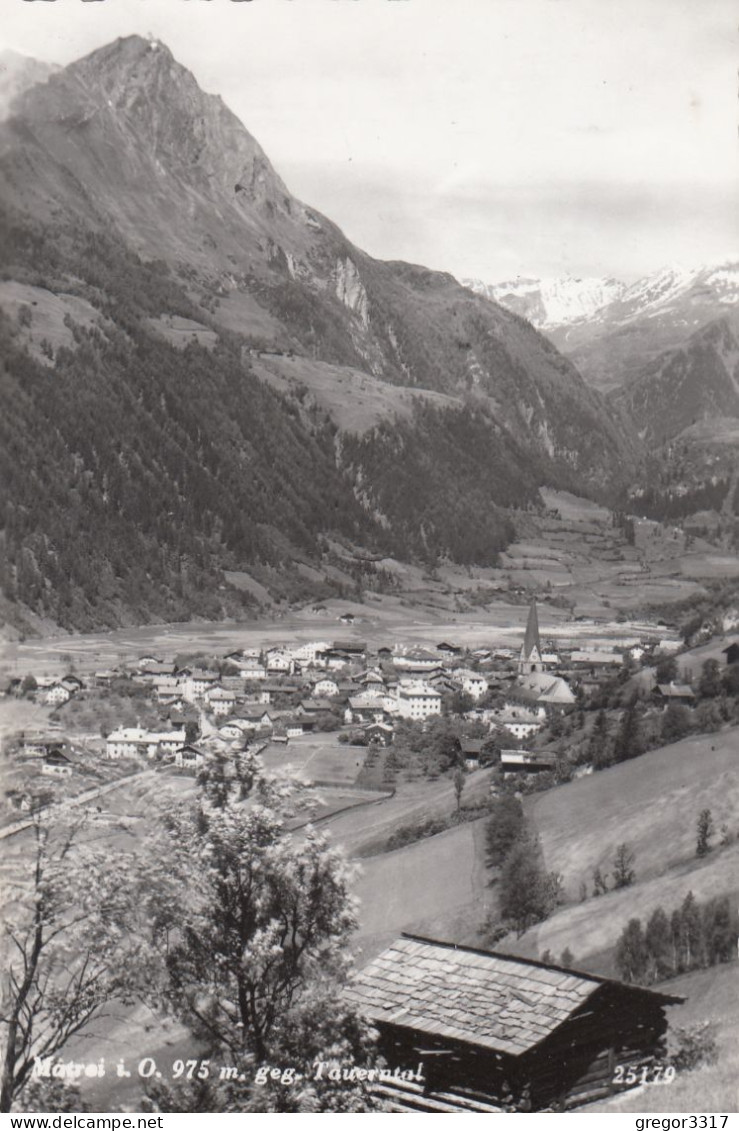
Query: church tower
530	659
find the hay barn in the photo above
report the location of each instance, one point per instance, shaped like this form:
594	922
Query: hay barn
493	1030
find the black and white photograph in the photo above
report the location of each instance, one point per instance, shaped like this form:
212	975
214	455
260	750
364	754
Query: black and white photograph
369	560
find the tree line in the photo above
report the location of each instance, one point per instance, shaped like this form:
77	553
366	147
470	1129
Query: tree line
692	936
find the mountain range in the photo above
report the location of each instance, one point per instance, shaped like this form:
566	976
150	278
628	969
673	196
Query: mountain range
177	328
613	331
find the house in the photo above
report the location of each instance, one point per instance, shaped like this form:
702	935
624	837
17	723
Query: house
41	745
364	709
293	729
313	707
732	653
495	1026
471	683
417	701
279	660
258	720
522	762
471	749
326	687
379	733
56	764
521	728
310	652
252	669
448	649
72	683
195	685
675	693
159	674
55	695
189	757
136	742
220	701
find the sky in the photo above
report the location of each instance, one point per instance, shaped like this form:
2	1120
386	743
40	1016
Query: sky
489	138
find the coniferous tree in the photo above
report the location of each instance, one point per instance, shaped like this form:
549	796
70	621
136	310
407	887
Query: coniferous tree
628	742
599	751
705	831
631	952
623	873
528	893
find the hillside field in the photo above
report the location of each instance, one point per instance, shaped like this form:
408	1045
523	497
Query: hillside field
652	804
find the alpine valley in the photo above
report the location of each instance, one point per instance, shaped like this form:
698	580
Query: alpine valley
202	374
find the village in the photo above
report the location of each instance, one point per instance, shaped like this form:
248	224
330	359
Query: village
509	708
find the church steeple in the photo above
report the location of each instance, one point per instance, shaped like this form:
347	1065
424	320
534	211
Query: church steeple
530	658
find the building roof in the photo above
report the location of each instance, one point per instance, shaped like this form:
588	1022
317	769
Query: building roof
542	687
494	1001
417	691
471	745
316	704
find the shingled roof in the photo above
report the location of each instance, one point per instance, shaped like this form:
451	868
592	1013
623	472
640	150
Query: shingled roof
495	1001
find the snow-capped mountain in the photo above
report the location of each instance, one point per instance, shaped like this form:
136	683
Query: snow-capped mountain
610	329
548	303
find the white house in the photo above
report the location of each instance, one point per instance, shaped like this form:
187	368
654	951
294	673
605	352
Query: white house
252	668
220	701
136	742
472	683
521	729
326	688
57	694
195	685
417	701
310	653
279	660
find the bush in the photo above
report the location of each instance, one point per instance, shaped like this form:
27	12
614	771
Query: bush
691	1046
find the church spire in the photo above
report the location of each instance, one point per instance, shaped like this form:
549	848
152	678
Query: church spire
530	659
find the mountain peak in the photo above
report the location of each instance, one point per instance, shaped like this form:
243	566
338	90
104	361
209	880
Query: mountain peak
132	100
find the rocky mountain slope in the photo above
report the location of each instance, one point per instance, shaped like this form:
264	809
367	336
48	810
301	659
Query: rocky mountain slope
151	251
695	383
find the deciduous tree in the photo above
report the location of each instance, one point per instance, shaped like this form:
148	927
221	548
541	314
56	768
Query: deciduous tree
69	947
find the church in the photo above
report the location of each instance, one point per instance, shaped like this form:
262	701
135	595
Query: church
534	684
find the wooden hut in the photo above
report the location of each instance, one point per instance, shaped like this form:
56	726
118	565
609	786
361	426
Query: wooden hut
501	1029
